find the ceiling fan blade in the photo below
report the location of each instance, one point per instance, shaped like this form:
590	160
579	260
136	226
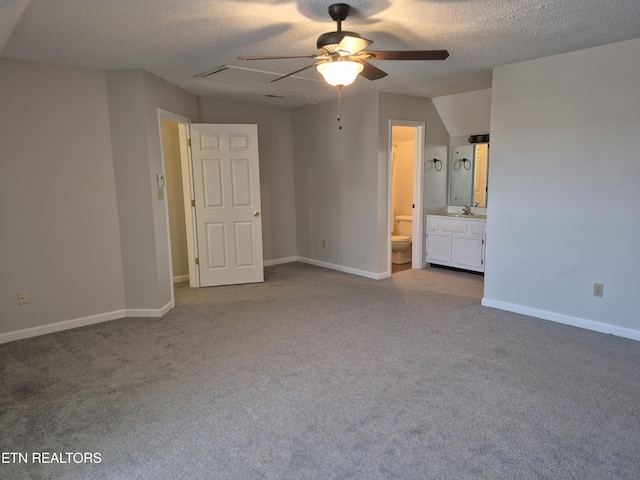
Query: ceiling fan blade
370	72
276	57
352	45
407	54
297	71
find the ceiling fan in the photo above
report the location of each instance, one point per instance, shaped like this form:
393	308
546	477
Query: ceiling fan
343	56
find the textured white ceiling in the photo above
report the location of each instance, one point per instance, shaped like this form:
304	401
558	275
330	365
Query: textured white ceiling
177	40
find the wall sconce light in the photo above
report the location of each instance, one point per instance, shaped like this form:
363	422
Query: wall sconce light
340	72
437	163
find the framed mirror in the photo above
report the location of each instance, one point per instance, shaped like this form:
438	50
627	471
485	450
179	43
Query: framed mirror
468	175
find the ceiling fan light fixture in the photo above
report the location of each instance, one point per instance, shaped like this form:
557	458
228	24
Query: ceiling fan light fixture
340	73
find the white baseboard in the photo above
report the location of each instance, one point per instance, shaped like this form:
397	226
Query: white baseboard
181	278
149	312
83	322
564	319
278	261
59	326
332	266
341	268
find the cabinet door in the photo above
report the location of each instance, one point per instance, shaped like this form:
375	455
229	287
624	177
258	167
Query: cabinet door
439	247
468	251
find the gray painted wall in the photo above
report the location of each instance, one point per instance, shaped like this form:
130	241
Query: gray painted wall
134	98
342	177
336	183
59	232
161	94
131	163
564	173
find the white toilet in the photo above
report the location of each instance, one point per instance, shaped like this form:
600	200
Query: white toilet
401	243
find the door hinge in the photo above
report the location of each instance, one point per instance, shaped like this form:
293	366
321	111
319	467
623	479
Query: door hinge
188	142
193	203
197	261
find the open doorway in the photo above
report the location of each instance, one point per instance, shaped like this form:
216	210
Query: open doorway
406	169
174	134
174	199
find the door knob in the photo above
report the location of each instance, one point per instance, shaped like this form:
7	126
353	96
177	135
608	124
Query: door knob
256	213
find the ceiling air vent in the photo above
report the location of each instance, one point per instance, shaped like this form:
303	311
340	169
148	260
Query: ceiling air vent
249	77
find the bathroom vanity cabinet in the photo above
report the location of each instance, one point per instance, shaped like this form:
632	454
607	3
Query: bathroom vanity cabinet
456	241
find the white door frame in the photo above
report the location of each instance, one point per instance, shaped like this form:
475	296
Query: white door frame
417	237
187	187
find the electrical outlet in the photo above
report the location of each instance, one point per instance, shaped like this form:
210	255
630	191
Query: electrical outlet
23	298
598	289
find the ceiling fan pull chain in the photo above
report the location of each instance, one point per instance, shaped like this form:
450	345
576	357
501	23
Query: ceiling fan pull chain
339	105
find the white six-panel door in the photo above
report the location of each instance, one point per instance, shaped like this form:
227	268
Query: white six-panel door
226	184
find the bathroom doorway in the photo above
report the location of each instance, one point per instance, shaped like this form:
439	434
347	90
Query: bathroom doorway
405	195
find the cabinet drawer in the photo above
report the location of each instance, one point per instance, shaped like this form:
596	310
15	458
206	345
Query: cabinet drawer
453	227
433	224
476	229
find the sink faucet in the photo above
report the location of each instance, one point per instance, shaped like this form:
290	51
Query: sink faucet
467	210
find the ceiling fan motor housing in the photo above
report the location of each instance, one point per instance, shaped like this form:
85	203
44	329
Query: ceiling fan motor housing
339	11
327	42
